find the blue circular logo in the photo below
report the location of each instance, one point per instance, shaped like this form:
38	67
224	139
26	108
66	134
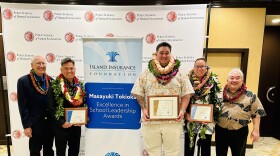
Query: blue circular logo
112	154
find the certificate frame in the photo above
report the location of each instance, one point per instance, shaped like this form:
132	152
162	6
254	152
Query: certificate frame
79	115
201	113
163	107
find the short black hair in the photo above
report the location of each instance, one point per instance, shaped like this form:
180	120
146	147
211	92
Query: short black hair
66	60
203	59
163	44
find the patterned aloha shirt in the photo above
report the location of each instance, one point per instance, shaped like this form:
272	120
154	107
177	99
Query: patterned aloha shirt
237	114
147	85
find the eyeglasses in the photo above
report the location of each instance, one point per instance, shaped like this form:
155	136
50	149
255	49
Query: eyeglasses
40	63
202	67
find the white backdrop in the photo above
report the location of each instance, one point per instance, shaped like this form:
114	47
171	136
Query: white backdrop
55	32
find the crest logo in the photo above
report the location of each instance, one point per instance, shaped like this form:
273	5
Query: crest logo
48	15
130	17
112	154
8	14
50	57
112	56
171	16
13	96
150	38
11	56
110	35
69	37
16	134
89	16
29	36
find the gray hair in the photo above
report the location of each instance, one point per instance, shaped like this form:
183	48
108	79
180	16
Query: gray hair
35	57
238	71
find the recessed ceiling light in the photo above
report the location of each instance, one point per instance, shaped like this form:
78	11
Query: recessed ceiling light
276	21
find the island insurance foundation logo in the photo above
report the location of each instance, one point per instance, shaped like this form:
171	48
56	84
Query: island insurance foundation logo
69	37
171	16
8	14
48	15
29	36
50	57
130	17
150	38
89	16
112	154
11	56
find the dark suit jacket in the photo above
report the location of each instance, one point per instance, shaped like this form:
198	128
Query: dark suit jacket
33	106
53	106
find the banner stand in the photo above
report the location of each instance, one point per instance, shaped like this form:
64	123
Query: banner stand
8	135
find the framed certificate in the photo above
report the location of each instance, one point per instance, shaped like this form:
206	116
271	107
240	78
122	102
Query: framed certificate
201	113
76	115
163	107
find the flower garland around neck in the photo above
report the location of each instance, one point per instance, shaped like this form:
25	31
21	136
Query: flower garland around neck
210	86
37	85
59	87
164	75
198	84
236	96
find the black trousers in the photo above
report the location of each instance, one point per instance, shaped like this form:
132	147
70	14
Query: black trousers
42	137
67	136
235	139
203	144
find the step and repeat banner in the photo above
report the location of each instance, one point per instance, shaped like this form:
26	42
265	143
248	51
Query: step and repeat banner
111	45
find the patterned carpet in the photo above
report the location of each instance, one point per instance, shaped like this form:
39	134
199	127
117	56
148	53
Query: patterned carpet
266	146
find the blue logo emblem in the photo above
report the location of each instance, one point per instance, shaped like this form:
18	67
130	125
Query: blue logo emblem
112	154
112	55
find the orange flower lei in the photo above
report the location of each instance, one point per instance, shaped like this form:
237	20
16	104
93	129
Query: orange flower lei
77	99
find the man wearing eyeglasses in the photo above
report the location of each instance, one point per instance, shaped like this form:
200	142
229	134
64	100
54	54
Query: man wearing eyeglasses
207	91
33	107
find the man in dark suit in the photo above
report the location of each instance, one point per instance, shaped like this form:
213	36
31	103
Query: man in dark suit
33	108
66	92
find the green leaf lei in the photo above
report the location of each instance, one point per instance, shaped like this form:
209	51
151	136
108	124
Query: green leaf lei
201	94
154	71
59	97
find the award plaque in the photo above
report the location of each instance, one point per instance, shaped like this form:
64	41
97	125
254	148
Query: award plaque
201	113
163	107
76	115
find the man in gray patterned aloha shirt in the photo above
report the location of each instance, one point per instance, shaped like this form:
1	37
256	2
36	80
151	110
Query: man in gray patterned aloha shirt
238	108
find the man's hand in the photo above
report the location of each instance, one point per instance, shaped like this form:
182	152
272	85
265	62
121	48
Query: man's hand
145	114
188	117
255	135
28	132
180	116
66	125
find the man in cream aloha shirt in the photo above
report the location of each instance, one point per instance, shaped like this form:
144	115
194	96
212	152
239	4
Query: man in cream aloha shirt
162	132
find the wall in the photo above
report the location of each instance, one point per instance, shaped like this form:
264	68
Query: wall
240	28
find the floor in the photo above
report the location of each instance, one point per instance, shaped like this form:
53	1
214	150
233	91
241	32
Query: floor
266	146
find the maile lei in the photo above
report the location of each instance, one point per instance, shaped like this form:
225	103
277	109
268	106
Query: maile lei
37	85
60	87
231	99
164	74
206	91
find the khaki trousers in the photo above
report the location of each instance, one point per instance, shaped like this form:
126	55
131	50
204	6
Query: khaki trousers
167	135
